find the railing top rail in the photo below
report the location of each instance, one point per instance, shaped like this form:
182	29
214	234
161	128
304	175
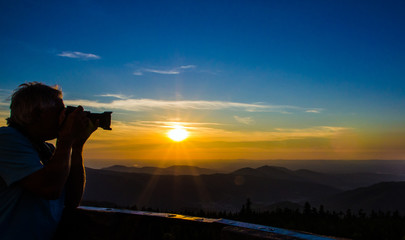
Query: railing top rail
258	227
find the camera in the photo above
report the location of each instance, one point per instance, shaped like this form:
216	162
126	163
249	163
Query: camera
104	118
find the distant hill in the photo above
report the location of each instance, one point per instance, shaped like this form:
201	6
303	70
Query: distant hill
227	165
173	170
215	191
386	196
325	166
186	187
342	181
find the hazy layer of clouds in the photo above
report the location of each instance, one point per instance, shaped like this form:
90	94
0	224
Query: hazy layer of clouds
150	104
275	135
170	124
207	131
172	71
319	131
79	55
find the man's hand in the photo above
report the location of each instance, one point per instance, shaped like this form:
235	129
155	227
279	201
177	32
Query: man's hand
49	182
76	128
91	127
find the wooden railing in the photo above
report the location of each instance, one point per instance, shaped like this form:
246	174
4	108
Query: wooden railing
107	223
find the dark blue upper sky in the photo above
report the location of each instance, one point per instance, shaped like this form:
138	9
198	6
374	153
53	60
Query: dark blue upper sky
341	43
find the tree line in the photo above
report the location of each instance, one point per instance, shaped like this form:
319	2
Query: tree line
360	225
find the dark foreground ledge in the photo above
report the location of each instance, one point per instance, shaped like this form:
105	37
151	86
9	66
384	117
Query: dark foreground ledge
107	223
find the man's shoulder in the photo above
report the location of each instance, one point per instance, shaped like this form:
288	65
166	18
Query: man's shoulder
10	136
18	157
10	131
7	130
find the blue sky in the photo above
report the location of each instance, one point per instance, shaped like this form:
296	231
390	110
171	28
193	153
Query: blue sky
295	64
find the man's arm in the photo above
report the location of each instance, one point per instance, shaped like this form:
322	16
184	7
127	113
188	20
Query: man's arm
76	180
50	181
77	177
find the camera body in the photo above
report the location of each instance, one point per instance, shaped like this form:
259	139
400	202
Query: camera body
104	118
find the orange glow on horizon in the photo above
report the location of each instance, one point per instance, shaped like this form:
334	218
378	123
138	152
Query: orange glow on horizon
154	142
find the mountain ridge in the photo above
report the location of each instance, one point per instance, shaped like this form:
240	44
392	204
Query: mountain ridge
171	170
384	196
215	191
265	185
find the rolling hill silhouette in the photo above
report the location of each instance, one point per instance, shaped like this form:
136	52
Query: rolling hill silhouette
342	181
215	191
173	170
385	196
265	186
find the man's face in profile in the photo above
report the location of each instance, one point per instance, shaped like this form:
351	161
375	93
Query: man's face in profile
49	120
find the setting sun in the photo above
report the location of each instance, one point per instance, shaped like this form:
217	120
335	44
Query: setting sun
178	134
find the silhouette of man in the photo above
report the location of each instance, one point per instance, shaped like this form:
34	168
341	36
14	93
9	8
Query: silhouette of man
38	180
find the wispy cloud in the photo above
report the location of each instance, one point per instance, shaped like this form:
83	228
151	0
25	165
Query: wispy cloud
119	96
171	71
79	55
244	120
138	73
319	131
187	67
314	110
152	104
170	124
166	72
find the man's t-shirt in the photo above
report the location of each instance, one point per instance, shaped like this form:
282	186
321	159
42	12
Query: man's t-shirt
23	215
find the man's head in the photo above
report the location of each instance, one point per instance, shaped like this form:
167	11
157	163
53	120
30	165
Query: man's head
36	105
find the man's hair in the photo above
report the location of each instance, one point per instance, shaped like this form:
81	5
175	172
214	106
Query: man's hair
28	99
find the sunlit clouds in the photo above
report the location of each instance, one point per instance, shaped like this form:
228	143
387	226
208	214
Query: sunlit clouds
79	55
216	132
148	104
149	140
274	135
217	129
154	133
